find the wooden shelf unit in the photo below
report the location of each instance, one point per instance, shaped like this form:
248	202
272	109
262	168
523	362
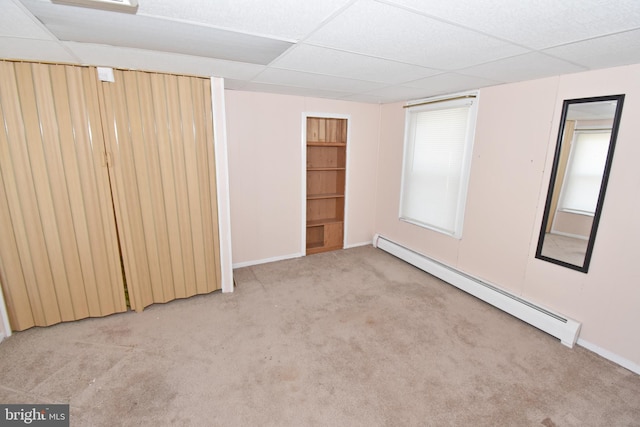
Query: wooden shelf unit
326	175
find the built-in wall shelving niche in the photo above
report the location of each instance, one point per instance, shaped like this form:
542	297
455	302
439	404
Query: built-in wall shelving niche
326	174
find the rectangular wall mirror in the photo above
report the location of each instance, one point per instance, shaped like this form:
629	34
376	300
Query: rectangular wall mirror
581	166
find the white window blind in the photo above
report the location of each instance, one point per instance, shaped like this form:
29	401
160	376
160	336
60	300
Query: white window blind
584	172
438	141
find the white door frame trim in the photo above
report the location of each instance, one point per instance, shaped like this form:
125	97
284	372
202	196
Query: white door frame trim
222	181
5	326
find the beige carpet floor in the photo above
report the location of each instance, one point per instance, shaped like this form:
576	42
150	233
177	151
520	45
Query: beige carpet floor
347	338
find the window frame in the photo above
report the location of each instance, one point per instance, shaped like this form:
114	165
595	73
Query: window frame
431	104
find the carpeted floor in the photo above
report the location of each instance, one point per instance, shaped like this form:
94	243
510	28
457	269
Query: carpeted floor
347	338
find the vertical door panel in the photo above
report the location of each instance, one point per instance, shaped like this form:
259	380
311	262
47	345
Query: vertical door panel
160	136
59	255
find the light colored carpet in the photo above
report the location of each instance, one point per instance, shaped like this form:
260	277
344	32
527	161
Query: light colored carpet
347	338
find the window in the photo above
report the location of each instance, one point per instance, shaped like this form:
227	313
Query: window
584	175
437	159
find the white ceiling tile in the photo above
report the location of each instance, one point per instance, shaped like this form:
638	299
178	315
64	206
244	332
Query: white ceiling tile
536	24
389	32
233	84
360	50
15	21
610	51
525	67
289	19
367	99
451	83
120	29
34	50
337	63
398	93
315	81
290	90
139	59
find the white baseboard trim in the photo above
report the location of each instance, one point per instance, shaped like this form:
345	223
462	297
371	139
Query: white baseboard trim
290	256
574	236
625	363
357	245
266	260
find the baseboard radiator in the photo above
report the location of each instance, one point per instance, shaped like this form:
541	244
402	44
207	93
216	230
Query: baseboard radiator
566	330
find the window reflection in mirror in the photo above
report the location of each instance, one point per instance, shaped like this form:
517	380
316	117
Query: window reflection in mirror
583	157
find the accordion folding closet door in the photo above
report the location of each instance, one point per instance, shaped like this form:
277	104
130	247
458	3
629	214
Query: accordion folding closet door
159	135
96	207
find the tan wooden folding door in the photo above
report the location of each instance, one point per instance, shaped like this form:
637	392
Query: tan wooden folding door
97	176
58	249
159	130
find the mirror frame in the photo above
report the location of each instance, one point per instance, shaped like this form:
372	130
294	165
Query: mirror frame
584	268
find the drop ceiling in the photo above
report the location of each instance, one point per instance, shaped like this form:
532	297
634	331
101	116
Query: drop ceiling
357	50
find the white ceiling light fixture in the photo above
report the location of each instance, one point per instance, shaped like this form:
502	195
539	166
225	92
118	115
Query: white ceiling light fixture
127	6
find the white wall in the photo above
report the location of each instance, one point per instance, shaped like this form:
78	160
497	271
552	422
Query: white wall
607	299
515	140
266	171
514	145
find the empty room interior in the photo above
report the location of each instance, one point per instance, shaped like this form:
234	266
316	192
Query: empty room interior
341	212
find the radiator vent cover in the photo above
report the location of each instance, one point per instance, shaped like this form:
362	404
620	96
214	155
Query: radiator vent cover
555	324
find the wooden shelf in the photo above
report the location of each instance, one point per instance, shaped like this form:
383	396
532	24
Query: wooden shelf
315	245
324	169
324	221
325	144
322	248
324	196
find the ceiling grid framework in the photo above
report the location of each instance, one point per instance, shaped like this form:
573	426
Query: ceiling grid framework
374	51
